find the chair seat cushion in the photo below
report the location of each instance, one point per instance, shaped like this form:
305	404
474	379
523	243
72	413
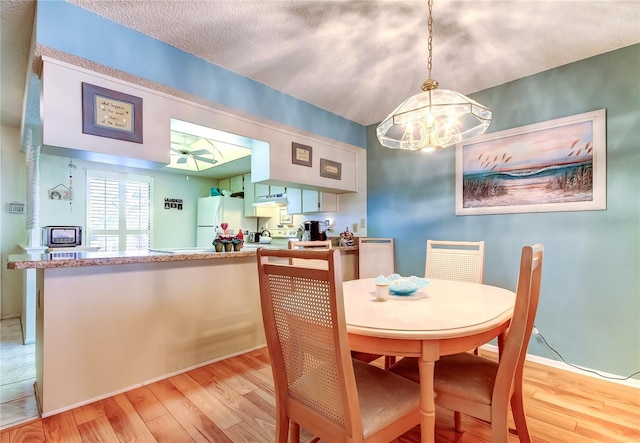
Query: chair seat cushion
384	397
461	375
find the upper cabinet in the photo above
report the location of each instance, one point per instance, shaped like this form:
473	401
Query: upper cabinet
233	184
324	167
314	201
250	193
224	183
294	201
306	201
236	184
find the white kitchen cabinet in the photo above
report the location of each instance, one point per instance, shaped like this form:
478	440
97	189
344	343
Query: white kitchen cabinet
224	183
314	201
252	190
277	189
233	184
236	184
294	201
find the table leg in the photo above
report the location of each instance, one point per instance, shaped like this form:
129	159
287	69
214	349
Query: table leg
427	402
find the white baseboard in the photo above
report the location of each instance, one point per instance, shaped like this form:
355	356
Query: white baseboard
565	367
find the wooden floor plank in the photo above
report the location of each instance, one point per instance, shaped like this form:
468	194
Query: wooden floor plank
146	404
262	400
224	374
260	420
166	429
98	430
253	375
124	419
62	428
243	433
88	412
582	412
600	433
209	404
197	425
29	433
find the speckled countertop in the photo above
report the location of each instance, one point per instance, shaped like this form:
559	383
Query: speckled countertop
76	259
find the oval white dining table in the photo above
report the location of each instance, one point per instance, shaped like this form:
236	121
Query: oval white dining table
443	318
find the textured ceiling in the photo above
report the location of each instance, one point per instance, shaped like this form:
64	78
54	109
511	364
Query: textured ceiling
357	59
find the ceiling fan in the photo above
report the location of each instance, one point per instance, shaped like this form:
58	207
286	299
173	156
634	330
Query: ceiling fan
184	151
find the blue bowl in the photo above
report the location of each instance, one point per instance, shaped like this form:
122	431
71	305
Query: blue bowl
407	285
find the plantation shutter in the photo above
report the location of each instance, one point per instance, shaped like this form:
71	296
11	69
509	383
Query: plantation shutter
119	211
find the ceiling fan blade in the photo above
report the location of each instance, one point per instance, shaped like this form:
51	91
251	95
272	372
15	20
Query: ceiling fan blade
200	152
177	151
182	159
214	147
205	159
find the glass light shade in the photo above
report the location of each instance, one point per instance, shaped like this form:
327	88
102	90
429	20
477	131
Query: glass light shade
432	120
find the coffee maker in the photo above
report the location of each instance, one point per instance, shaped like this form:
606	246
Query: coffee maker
315	230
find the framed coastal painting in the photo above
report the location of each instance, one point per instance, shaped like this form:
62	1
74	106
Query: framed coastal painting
557	165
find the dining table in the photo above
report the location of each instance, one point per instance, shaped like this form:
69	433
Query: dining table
442	318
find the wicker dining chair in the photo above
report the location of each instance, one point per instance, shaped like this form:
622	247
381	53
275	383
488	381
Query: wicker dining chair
474	385
375	257
308	244
318	385
455	260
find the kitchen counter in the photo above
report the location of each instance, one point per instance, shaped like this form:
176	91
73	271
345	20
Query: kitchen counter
68	259
162	312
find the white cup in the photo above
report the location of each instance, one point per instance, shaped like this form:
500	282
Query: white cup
382	291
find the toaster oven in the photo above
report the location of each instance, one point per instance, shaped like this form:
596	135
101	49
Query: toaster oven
61	236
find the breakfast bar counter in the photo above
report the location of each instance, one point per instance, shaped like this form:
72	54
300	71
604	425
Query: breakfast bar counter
75	259
111	322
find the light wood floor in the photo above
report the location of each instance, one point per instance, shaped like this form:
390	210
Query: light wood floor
233	401
17	375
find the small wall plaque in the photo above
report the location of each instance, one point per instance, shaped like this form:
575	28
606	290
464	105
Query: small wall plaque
15	208
330	169
173	203
301	154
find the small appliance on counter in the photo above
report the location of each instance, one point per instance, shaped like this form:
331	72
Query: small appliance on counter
276	238
254	237
314	230
61	236
265	237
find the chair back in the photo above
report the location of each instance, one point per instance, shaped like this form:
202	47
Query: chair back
375	257
323	244
455	260
514	351
303	315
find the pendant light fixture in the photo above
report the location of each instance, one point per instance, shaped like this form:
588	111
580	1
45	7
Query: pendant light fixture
435	118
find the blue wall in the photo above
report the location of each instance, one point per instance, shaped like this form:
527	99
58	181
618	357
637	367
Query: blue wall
590	300
71	29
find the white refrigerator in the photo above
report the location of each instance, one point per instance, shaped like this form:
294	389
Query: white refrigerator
212	211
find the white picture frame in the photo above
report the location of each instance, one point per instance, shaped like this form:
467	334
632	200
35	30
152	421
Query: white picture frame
556	165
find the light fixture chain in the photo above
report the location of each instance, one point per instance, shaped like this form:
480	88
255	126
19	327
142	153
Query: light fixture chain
430	39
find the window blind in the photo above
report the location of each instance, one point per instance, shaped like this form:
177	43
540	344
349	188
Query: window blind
119	211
